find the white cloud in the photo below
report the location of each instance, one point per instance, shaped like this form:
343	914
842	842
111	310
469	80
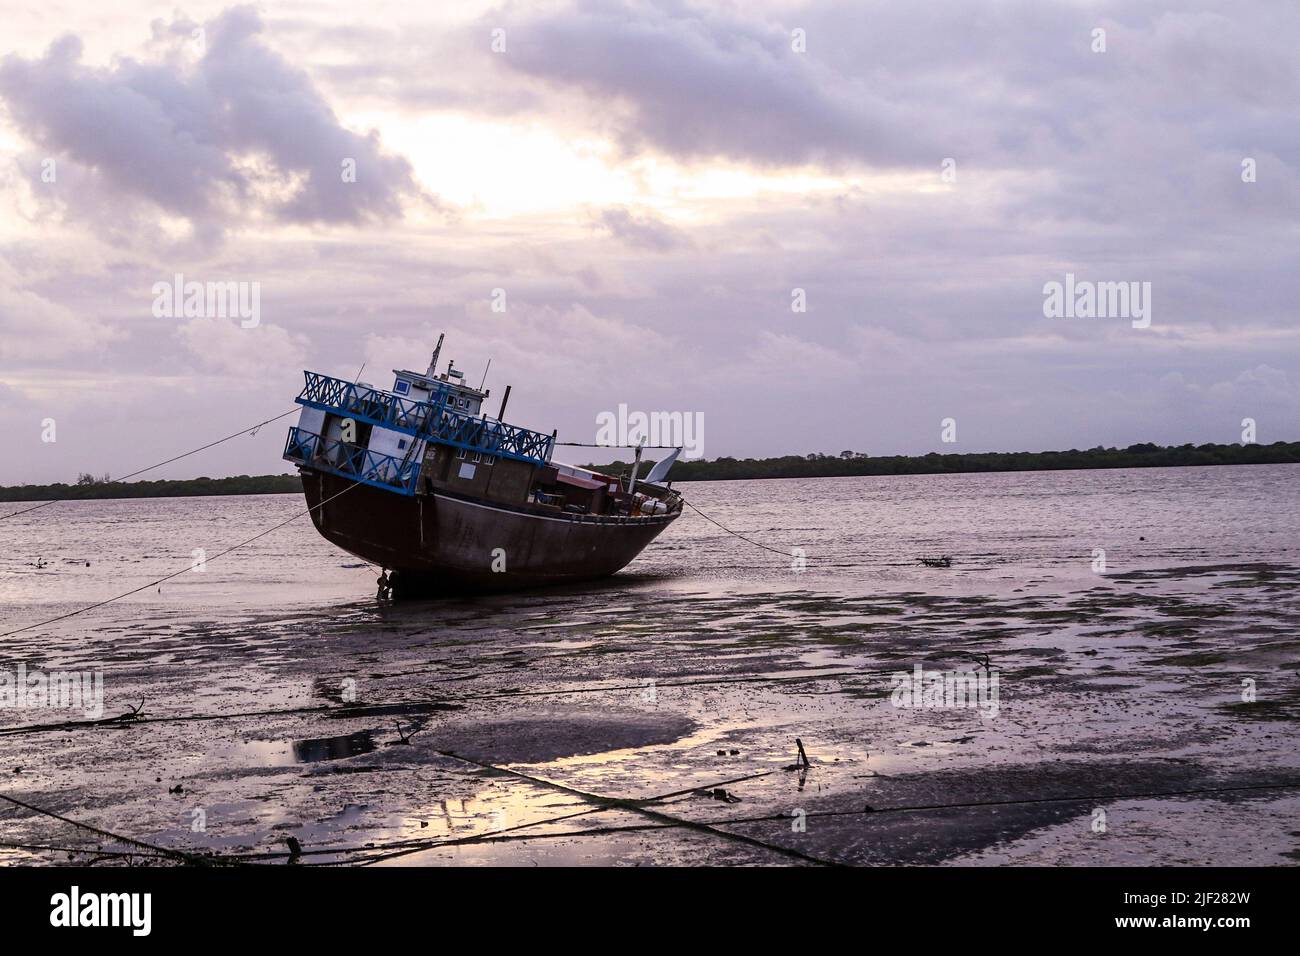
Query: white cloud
223	347
37	330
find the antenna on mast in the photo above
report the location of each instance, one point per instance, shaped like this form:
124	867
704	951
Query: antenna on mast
433	362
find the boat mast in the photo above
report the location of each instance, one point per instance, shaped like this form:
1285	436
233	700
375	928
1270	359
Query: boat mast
631	485
433	362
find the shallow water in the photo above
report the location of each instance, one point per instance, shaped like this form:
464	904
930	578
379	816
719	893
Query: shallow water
629	688
1005	530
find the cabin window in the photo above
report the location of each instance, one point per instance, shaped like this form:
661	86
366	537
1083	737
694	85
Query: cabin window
401	443
401	388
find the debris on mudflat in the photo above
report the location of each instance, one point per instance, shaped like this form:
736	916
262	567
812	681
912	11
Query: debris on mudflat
718	793
133	714
802	763
943	562
403	737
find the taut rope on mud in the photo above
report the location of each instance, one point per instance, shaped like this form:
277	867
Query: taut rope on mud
454	702
151	847
378	852
174	574
663	821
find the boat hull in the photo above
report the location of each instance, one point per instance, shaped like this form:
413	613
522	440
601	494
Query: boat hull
439	542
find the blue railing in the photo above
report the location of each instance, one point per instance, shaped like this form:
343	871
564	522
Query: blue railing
430	421
489	437
368	404
350	461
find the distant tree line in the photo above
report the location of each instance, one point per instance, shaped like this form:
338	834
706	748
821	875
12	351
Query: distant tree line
845	465
88	486
849	464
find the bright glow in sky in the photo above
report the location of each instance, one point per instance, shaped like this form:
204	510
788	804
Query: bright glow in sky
650	184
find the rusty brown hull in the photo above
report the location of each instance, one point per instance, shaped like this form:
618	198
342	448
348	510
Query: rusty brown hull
443	542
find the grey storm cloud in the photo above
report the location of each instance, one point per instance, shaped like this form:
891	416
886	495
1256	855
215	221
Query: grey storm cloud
238	130
1008	86
702	83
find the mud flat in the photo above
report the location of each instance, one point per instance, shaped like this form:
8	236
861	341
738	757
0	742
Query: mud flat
653	721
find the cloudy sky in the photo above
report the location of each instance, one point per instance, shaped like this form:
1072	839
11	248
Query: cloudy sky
649	183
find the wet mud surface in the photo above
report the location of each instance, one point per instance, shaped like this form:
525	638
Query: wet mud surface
652	720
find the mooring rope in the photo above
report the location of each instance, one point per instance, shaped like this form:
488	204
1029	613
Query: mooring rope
588	444
362	710
432	703
174	574
757	544
165	851
97	851
638	806
403	848
366	855
195	451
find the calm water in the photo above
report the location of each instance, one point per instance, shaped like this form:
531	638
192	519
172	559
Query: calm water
1130	681
859	534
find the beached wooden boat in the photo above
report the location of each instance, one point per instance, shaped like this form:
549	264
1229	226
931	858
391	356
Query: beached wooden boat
442	497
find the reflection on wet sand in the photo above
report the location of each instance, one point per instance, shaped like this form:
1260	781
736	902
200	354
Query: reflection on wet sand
333	748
